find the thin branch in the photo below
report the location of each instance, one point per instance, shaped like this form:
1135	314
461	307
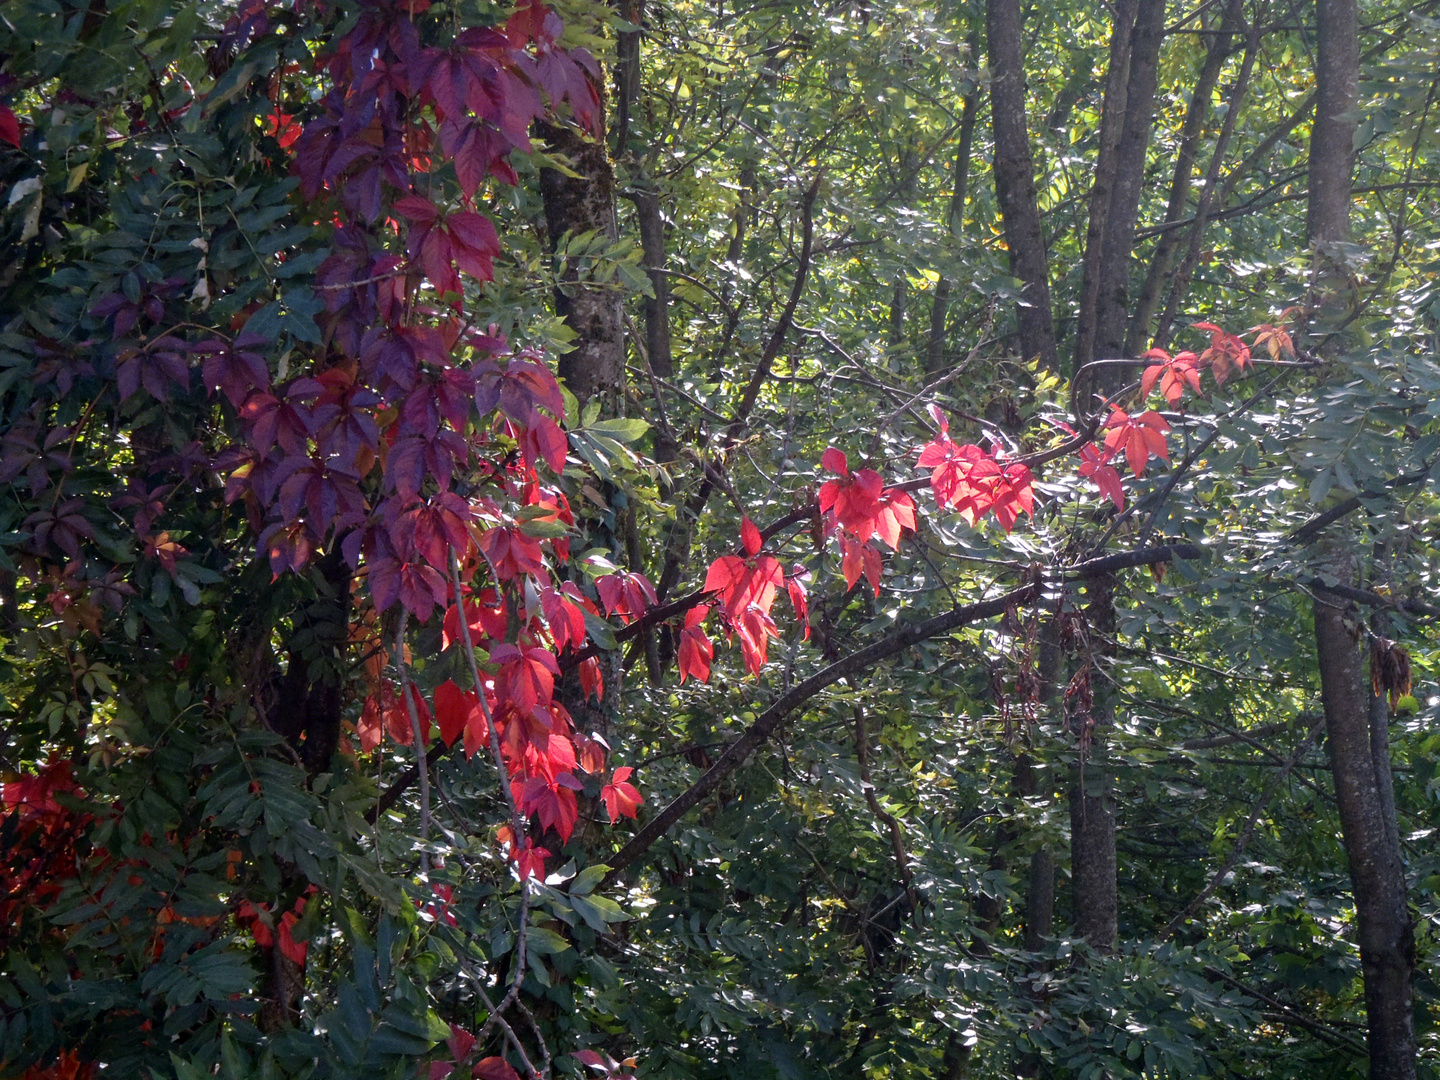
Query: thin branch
1288	1015
772	718
1248	831
897	831
422	770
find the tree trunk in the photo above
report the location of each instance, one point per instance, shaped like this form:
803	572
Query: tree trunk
1112	122
1117	252
1332	156
1209	200
1356	722
573	205
1332	135
1015	180
1167	246
627	73
1040	888
1092	811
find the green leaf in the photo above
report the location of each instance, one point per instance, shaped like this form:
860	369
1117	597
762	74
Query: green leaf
583	884
624	430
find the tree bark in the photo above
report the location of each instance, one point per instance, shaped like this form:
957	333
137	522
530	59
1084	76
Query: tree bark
1167	247
1209	201
1015	181
1332	135
1356	722
1092	811
1040	888
1117	251
1332	156
1112	122
573	205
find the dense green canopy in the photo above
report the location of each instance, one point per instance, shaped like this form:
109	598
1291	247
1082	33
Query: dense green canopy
1041	783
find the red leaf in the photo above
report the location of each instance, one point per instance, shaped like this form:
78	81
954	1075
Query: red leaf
460	1043
553	804
486	619
872	566
1139	437
9	126
799	598
755	629
622	799
495	1068
565	613
852	562
512	553
397	716
530	862
418	209
856	501
739	583
835	461
625	594
457	712
696	649
1014	493
1226	350
750	537
1095	465
897	512
371	725
592	681
526	677
1173	374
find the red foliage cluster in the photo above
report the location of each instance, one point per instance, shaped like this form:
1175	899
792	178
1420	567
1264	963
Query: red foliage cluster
364	452
38	835
272	930
975	482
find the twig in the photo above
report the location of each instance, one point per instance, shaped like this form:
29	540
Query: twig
897	831
421	768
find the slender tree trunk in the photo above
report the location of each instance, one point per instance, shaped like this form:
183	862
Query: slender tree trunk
1117	250
1092	810
627	73
1114	203
1332	155
1356	721
577	204
1040	888
1112	123
896	334
1015	180
1210	200
935	352
1167	246
1332	135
